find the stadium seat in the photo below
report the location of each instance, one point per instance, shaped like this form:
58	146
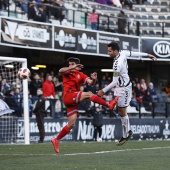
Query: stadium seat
144	17
158	33
158	24
137	9
164	3
138	17
144	32
147	3
162	17
143	9
150	17
144	24
151	32
131	16
151	24
156	3
154	10
164	10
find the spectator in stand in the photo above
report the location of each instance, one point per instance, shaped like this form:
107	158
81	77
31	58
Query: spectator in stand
57	84
128	3
167	90
48	7
109	79
153	92
49	93
136	91
5	87
12	103
101	1
121	22
3	4
52	73
34	86
96	88
134	102
24	6
98	123
36	12
103	81
117	3
18	83
48	88
59	12
147	101
18	97
0	83
93	19
142	86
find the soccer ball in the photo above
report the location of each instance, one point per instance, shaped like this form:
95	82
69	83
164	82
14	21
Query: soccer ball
23	73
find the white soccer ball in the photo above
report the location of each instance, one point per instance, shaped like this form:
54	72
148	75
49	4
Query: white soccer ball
24	73
99	140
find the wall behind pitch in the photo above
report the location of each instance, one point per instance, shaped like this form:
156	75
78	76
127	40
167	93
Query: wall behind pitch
143	129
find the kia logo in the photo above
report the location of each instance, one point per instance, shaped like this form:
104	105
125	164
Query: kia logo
162	49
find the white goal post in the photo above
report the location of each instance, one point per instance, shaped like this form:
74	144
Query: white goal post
23	63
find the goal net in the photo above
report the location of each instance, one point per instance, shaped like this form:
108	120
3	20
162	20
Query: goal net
14	118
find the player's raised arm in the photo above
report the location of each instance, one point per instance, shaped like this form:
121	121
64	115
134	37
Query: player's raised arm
71	67
140	54
74	64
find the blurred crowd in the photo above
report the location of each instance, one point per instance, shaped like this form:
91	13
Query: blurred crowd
38	10
51	84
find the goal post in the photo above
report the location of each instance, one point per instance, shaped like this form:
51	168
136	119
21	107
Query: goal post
22	63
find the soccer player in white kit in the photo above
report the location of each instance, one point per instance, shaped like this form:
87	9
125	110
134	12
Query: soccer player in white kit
121	83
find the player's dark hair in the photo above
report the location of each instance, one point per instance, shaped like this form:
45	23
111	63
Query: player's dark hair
114	45
72	59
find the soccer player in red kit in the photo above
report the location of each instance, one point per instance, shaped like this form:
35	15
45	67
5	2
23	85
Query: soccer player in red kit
72	96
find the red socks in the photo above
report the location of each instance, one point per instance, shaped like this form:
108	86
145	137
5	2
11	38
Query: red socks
63	132
98	100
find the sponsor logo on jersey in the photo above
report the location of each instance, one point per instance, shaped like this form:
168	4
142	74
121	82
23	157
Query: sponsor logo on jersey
162	49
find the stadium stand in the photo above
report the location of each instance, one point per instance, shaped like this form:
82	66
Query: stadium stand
149	15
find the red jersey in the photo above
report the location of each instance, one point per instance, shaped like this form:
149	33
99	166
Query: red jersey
48	89
72	81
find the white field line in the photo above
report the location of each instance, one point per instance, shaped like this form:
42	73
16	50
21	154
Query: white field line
155	148
88	153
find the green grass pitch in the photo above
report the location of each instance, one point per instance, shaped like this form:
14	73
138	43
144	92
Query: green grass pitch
134	155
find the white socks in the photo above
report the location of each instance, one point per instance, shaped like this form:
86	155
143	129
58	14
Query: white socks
125	126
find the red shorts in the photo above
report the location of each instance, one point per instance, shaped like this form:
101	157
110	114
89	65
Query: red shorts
71	101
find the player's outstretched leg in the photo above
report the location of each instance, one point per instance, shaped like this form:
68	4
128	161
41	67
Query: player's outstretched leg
99	100
113	103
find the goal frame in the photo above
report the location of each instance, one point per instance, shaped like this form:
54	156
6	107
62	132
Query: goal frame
25	97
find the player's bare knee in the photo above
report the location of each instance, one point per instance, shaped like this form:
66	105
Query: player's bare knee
71	125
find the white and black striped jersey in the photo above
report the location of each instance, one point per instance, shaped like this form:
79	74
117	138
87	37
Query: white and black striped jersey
120	69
